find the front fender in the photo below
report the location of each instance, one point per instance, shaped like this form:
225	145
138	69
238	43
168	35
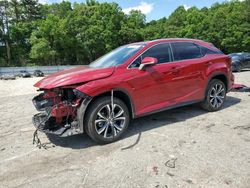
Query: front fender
95	88
81	113
98	87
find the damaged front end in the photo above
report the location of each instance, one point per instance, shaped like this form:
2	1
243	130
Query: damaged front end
60	111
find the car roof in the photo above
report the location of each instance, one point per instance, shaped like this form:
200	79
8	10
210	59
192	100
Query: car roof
153	42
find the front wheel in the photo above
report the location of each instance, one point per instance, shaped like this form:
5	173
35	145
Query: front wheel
215	96
239	68
106	123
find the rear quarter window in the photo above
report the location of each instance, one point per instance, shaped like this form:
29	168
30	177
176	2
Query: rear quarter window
206	51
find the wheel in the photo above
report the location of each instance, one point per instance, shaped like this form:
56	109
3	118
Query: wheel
105	124
215	96
239	68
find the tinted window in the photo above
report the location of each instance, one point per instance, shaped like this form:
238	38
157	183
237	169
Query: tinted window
185	50
206	51
161	52
247	56
236	57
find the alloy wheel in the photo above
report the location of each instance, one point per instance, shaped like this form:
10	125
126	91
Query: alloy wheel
110	121
217	95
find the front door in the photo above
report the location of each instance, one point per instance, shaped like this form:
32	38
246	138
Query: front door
149	85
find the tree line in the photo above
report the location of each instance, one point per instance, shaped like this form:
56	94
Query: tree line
65	33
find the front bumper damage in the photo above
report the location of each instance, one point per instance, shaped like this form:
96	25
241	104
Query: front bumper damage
60	113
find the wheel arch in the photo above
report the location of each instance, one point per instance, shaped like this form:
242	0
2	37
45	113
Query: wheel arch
122	94
127	99
220	76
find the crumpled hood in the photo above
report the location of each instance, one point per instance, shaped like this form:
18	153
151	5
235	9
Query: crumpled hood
73	76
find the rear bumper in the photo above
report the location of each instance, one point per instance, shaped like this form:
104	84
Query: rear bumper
231	82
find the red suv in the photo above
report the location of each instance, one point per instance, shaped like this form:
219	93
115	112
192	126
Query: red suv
129	82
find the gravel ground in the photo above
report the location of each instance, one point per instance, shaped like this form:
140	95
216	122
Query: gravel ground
185	147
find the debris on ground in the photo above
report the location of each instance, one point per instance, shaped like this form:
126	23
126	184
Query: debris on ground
189	181
210	125
246	127
240	88
170	174
39	144
136	142
171	163
228	182
181	142
155	170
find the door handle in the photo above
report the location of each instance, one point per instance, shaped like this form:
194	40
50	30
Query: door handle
174	70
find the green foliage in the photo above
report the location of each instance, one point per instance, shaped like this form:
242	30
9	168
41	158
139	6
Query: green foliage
96	28
65	33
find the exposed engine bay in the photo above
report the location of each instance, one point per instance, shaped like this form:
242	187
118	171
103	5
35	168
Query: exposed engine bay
58	111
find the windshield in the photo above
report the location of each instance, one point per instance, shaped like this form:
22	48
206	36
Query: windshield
235	57
117	56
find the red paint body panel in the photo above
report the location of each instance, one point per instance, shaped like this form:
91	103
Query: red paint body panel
156	87
74	76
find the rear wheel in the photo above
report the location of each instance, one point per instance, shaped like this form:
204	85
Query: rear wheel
215	96
106	123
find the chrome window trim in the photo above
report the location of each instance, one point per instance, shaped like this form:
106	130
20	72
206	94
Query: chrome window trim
172	54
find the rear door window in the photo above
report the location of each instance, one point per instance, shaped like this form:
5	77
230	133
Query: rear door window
185	50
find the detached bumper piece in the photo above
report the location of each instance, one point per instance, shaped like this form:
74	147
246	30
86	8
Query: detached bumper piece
42	102
240	88
57	115
46	124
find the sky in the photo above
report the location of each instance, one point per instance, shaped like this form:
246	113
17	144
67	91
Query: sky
153	9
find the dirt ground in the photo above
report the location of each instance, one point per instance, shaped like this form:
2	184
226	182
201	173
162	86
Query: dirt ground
185	147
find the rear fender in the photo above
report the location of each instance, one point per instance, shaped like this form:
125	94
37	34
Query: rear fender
212	76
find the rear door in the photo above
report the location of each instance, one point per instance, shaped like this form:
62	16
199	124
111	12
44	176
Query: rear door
189	66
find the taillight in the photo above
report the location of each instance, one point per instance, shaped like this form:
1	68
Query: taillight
229	63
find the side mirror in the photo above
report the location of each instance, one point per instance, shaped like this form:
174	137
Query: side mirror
147	61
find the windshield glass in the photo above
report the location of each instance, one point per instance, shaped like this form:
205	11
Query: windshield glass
117	56
235	57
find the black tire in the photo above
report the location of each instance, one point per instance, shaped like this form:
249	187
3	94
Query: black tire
239	68
100	106
211	98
